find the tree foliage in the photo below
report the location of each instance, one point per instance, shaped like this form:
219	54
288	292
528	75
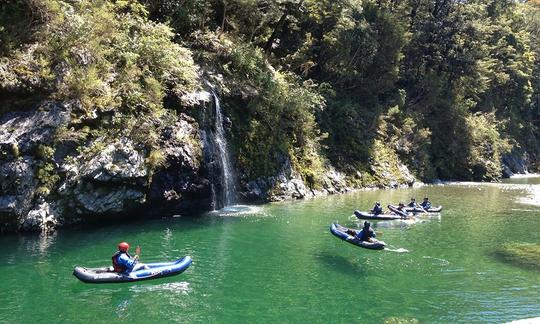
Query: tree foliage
445	87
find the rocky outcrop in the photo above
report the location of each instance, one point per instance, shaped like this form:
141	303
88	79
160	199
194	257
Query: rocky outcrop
182	185
21	134
118	162
44	218
515	163
110	181
107	176
389	178
288	184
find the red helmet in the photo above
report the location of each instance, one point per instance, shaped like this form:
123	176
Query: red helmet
123	246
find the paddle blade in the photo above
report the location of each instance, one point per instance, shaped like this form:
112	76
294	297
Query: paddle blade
138	250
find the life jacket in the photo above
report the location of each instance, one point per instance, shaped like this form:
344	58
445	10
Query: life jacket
366	235
116	265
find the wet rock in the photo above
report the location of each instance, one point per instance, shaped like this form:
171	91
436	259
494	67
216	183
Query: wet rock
43	218
196	98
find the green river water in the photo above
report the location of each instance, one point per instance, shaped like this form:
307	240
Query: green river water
279	263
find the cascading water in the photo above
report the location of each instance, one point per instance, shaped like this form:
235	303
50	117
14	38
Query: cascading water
228	175
217	157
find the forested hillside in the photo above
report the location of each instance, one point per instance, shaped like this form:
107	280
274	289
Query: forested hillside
371	90
445	86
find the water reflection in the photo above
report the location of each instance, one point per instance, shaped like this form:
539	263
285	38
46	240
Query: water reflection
347	266
437	261
533	196
175	288
121	309
39	245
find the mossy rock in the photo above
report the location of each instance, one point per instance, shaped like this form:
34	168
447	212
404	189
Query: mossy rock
524	255
400	320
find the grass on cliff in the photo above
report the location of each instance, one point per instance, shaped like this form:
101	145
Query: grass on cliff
107	59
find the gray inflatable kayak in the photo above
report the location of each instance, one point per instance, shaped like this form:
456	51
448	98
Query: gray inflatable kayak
342	233
370	216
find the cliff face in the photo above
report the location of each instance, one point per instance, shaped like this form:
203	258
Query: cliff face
47	180
40	191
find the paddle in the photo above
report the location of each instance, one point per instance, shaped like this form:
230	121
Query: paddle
396	211
137	252
422	208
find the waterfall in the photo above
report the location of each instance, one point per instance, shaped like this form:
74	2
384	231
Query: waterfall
228	175
217	157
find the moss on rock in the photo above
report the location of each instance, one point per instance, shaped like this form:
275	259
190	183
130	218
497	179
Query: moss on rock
524	255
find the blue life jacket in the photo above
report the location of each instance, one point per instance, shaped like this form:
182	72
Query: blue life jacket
365	235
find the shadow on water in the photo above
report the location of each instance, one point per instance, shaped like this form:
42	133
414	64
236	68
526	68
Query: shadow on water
348	266
523	255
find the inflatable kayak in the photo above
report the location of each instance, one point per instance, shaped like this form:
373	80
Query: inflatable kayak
341	232
401	213
369	216
156	270
419	210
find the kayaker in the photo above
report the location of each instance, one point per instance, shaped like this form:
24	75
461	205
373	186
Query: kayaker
413	203
400	210
366	234
426	204
377	209
125	263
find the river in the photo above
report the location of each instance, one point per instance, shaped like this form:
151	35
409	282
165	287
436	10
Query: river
279	263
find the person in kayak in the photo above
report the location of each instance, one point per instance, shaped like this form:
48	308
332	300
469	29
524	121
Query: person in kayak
426	204
413	203
125	263
400	210
366	234
377	209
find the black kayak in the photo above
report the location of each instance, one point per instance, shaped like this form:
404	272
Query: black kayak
420	210
341	232
370	216
156	270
